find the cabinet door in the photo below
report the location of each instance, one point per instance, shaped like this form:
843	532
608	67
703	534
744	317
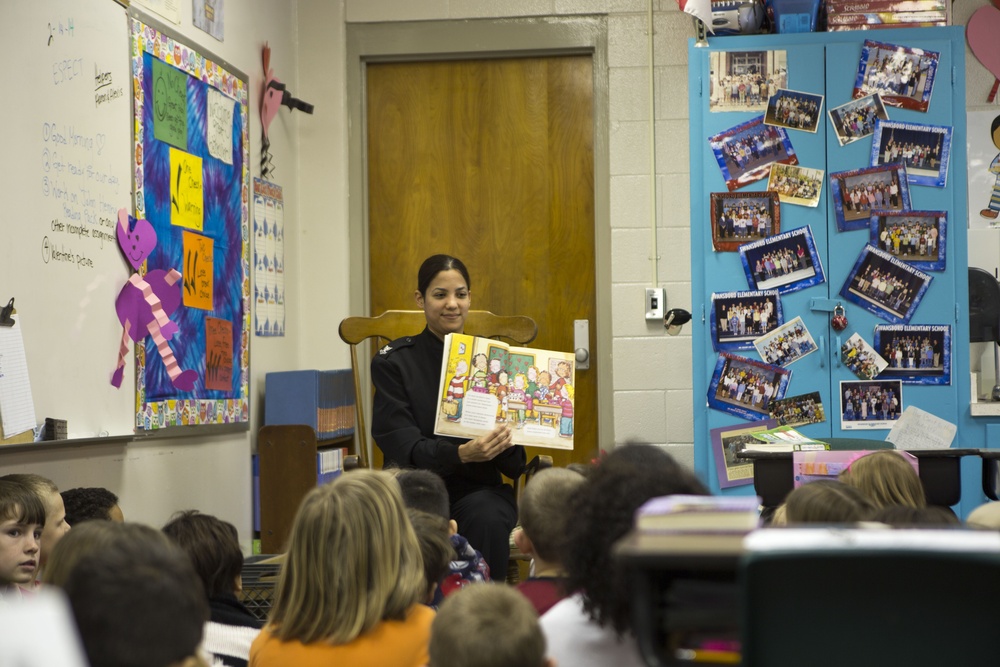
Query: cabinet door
948	287
821	64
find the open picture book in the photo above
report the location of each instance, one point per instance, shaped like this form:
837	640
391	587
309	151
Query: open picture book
486	382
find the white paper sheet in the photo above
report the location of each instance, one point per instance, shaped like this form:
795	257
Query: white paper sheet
917	429
16	407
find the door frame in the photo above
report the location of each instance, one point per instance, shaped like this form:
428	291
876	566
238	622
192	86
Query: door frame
480	39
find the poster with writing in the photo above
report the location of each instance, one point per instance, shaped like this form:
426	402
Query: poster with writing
269	258
170	105
218	353
187	196
198	269
220	126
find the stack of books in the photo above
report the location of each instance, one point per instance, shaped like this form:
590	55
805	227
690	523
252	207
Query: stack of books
875	14
698	514
784	439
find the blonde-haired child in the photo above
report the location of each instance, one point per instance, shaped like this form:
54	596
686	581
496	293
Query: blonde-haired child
350	588
886	478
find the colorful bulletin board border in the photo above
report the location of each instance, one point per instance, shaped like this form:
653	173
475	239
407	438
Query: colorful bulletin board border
194	190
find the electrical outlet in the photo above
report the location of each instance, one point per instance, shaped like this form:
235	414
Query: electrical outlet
656	301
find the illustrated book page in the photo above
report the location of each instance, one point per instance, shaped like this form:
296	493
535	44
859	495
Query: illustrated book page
485	383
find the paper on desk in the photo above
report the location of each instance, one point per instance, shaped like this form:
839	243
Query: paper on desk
16	408
917	429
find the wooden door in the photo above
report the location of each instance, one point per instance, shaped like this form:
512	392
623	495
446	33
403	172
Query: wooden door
491	161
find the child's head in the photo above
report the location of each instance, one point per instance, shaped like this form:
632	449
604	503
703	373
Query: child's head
545	510
604	507
55	513
352	562
89	537
436	550
213	546
425	491
471	620
139	603
887	478
84	504
22	516
827	501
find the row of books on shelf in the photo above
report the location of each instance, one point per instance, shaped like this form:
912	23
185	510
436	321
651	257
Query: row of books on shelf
875	14
323	400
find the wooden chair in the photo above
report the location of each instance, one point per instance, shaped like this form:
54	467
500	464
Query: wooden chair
393	324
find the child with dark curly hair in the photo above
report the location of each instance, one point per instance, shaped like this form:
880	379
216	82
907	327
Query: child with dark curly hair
88	503
594	625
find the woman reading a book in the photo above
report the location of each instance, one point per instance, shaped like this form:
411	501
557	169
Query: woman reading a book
406	375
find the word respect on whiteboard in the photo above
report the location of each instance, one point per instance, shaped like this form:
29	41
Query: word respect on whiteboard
64	71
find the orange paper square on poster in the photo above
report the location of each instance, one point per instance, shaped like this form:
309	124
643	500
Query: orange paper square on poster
199	267
218	354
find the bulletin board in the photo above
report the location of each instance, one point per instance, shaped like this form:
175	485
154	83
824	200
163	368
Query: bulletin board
192	182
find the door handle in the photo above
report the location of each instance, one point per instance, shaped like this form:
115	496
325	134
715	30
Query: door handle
581	344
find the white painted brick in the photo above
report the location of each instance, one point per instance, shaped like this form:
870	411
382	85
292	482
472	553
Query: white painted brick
672	147
629	201
627	46
630	256
628	313
672	29
639	416
652	363
675	254
674	200
628	93
680	416
629	148
672	93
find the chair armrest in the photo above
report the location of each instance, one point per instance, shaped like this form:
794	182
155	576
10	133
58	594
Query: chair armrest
352	462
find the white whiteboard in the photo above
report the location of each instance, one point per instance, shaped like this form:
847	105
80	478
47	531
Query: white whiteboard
65	173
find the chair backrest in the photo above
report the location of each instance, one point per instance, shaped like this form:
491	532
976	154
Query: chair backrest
393	324
877	599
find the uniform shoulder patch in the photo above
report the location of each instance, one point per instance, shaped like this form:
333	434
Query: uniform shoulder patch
395	345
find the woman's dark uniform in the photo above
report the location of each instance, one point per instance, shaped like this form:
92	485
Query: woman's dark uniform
406	375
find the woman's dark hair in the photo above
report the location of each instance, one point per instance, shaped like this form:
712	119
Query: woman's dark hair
434	265
604	508
87	503
213	547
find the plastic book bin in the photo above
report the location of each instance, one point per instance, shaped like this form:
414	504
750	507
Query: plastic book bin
795	15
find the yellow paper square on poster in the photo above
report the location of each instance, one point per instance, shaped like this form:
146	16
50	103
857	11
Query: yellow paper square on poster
187	196
199	263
